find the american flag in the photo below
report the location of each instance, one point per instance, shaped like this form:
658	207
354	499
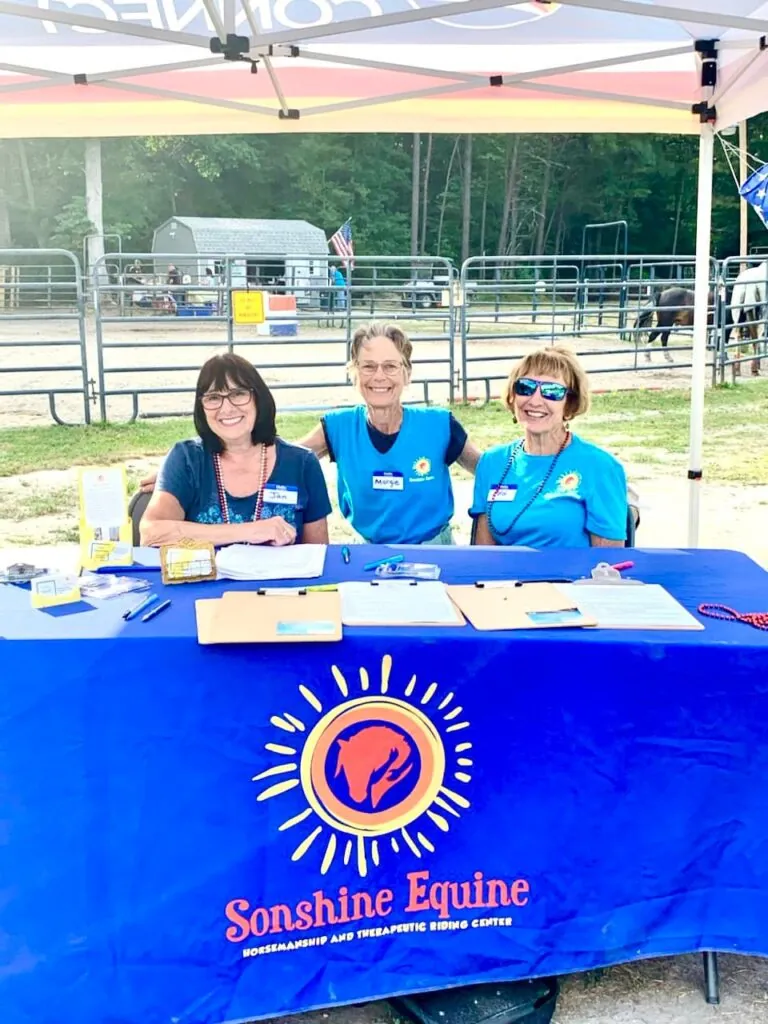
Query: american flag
343	245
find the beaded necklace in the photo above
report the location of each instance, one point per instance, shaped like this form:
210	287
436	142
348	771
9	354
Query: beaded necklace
721	611
498	534
225	514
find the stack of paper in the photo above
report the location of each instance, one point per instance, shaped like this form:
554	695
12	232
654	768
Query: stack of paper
398	603
617	606
251	562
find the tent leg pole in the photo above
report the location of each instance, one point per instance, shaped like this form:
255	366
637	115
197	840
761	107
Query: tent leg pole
700	331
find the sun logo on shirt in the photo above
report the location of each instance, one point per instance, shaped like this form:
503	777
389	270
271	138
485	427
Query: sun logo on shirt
422	466
569	482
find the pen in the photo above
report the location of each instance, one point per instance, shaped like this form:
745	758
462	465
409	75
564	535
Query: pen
385	561
623	565
133	612
321	588
155	611
345	554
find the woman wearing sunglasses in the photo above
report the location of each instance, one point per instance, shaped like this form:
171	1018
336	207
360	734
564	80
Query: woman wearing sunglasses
237	482
392	460
549	488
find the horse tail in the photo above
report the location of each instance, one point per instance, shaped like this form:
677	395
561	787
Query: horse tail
645	317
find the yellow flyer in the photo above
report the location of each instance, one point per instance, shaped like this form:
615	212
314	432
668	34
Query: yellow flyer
49	591
106	532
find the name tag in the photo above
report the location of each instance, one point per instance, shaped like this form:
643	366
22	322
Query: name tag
281	494
387	481
502	492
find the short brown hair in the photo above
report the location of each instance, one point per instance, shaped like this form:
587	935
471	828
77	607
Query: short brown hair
554	361
380	329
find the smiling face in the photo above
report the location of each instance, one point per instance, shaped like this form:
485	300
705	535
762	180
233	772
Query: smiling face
381	373
235	418
536	414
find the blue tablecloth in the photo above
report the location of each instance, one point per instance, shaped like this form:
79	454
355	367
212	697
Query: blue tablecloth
201	835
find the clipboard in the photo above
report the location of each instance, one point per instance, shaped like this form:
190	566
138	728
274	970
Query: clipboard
262	617
520	606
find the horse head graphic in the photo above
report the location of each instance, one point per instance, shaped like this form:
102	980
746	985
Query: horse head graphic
373	761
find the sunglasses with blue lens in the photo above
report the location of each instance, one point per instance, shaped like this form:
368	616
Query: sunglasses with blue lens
524	387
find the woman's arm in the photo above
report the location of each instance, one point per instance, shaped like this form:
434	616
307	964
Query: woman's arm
482	534
604	542
315	533
315	440
470	456
163	523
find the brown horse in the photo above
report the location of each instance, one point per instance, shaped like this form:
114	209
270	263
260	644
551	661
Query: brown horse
673	307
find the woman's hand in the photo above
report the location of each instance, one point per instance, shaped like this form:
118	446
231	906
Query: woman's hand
273	531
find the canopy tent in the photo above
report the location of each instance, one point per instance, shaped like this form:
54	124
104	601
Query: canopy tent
131	67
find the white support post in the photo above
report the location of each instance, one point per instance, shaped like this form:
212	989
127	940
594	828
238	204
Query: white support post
700	329
94	206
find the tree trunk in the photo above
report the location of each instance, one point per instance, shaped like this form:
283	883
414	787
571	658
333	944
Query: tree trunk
29	189
678	216
466	204
444	197
425	196
542	212
415	184
6	241
484	214
510	190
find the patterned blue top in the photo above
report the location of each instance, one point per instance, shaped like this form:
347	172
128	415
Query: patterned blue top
295	489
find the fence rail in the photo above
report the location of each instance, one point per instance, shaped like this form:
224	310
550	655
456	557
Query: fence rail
156	317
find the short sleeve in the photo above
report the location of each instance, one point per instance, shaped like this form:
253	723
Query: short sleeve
482	486
318	504
180	473
328	442
607	502
456	441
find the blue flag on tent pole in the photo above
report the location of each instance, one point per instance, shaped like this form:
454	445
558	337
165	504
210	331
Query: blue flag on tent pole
755	192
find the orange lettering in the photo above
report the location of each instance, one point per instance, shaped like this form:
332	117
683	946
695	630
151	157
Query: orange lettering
233	935
278	911
438	898
259	921
322	903
417	892
496	887
520	890
304	914
362	906
384	898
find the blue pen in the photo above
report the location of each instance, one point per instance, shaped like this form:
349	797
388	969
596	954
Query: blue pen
133	612
385	561
345	555
155	611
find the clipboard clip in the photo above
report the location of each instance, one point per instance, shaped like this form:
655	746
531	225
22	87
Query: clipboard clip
281	592
394	583
504	584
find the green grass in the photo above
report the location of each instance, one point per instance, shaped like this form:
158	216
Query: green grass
641	427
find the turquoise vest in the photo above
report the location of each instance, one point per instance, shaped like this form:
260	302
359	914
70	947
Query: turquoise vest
403	496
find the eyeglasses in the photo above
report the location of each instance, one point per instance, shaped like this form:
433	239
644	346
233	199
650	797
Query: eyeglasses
524	387
213	400
389	369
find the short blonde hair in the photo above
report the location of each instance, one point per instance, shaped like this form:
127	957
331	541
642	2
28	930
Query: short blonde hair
554	361
380	329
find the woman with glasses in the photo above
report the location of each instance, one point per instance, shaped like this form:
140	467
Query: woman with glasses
549	488
237	482
392	461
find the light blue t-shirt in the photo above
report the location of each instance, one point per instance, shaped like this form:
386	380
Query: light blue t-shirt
586	494
403	495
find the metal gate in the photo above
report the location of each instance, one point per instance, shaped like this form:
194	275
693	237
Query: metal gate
602	307
42	334
156	326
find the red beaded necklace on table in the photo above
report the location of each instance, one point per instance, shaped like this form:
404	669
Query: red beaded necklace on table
225	514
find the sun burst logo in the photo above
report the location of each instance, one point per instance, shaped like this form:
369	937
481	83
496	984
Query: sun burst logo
376	769
569	482
422	466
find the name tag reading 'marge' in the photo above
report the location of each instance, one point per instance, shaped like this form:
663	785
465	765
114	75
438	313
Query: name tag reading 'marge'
281	494
385	481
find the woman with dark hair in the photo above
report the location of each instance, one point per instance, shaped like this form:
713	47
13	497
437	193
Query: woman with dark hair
238	482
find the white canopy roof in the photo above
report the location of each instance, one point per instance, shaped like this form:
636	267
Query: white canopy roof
131	67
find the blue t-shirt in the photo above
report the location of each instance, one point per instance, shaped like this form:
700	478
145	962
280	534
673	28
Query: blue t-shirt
586	493
404	495
383	442
295	489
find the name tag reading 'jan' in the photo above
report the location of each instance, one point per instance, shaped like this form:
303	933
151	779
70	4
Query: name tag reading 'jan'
281	494
387	481
502	492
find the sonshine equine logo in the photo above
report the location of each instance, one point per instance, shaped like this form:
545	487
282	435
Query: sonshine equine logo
376	770
422	466
494	19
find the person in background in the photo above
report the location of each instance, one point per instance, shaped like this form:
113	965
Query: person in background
237	482
549	488
174	275
392	460
340	284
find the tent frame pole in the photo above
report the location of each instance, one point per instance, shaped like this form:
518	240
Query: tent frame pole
700	327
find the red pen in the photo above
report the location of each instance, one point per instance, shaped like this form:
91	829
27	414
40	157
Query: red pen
619	566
